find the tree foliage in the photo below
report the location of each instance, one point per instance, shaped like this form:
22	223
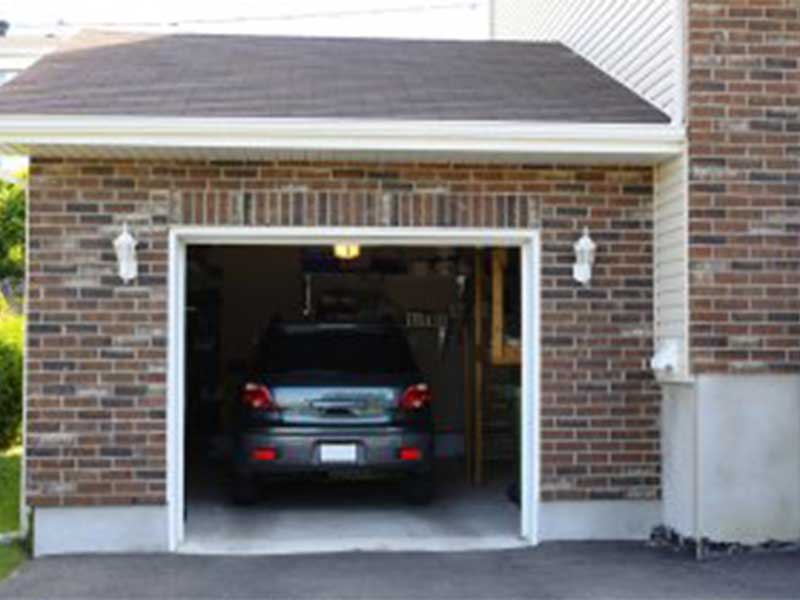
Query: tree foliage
12	230
12	270
11	341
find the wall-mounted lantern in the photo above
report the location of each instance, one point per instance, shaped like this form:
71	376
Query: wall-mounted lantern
584	258
125	248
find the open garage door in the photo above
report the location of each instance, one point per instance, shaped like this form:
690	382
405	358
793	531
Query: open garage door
346	396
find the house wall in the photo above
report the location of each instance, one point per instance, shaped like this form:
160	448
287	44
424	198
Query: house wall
744	223
741	411
671	261
637	42
96	367
727	249
731	457
752	422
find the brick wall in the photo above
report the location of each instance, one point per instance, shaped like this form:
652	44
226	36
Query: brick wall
97	349
745	185
600	406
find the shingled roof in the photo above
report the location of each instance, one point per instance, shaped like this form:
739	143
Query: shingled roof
101	73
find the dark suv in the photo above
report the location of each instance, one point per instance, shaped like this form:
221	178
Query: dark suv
326	397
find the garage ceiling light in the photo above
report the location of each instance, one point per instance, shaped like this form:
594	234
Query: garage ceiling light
347	251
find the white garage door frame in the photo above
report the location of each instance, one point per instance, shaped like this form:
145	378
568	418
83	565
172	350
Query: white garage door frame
527	240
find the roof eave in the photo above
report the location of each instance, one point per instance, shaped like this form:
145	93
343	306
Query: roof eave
623	142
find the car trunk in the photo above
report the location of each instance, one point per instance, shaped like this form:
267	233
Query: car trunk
336	374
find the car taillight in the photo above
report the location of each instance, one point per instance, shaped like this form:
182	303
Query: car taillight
264	454
410	454
416	397
258	397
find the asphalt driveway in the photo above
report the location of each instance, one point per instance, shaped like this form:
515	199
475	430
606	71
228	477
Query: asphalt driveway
555	570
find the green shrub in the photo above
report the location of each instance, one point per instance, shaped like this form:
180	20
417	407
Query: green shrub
11	332
12	230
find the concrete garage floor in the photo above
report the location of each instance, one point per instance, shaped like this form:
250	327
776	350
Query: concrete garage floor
341	516
596	570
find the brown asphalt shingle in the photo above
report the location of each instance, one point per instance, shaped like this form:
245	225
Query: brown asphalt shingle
102	73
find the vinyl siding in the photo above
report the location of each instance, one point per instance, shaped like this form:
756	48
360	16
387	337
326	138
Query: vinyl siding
670	264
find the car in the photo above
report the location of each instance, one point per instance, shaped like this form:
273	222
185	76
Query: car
322	398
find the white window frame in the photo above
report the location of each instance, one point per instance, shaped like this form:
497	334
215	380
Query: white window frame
527	240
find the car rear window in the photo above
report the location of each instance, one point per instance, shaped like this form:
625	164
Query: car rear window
337	349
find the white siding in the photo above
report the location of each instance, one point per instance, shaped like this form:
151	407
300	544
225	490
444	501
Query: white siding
671	260
638	42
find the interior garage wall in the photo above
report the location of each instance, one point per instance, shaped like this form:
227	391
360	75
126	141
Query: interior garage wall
96	367
255	287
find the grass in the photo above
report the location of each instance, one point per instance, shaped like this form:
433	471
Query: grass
9	489
11	556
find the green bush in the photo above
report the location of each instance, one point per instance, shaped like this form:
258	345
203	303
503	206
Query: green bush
11	332
12	230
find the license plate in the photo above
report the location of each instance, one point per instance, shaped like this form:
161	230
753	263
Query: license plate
338	453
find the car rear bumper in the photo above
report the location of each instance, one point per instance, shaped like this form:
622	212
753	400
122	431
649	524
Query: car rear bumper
300	449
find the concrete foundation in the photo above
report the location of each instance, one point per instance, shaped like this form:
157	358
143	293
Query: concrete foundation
598	520
731	458
313	520
100	529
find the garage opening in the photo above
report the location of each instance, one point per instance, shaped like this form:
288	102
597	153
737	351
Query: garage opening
343	397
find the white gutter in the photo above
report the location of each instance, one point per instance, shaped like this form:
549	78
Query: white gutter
25	134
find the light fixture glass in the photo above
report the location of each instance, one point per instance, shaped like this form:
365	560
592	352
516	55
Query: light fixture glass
585	250
347	251
125	249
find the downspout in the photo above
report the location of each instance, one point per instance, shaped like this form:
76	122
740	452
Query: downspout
681	118
23	501
698	479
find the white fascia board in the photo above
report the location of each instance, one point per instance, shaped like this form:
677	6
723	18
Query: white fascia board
29	132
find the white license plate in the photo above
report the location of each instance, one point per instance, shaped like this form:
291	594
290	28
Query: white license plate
338	453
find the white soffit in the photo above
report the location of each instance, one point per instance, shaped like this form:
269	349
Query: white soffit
240	138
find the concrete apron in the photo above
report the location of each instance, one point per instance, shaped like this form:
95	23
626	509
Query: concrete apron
368	517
